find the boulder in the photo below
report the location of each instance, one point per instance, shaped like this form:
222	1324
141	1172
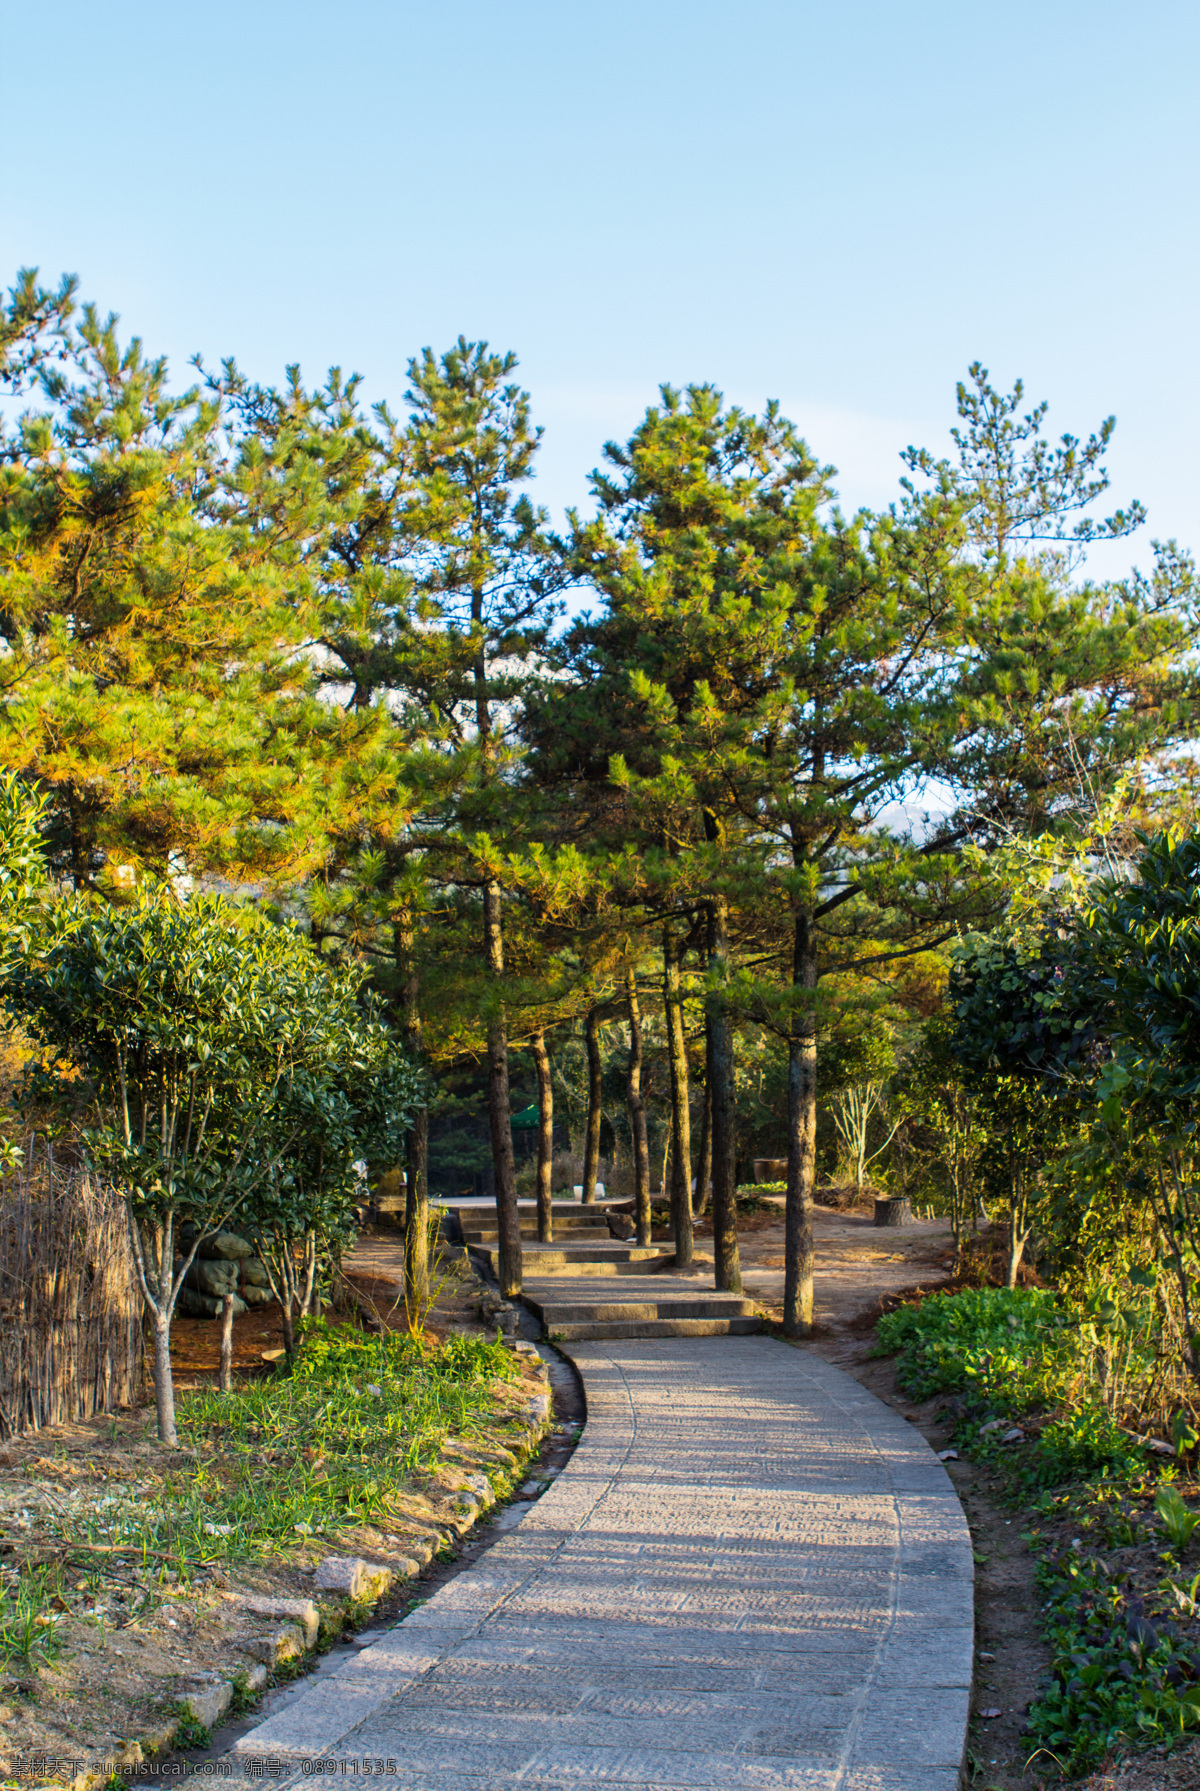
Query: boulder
253	1273
220	1246
257	1296
212	1277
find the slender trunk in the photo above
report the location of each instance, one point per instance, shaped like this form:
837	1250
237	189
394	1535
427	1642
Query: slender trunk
802	1140
288	1322
591	1148
545	1192
416	1215
416	1166
508	1219
637	1114
1017	1231
704	1161
720	1091
164	1386
226	1382
308	1296
681	1152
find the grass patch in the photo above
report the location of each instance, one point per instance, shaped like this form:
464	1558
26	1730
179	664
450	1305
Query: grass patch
315	1448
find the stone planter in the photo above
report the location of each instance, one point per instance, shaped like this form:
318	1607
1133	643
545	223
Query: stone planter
893	1212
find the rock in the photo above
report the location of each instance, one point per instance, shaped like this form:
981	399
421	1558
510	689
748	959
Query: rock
539	1406
209	1705
285	1642
1015	1435
218	1246
481	1486
294	1610
990	1713
155	1741
992	1424
947	1454
522	1347
215	1278
198	1305
257	1296
255	1677
985	1655
253	1273
360	1581
620	1226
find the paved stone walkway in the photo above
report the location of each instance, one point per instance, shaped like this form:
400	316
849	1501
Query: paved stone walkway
751	1575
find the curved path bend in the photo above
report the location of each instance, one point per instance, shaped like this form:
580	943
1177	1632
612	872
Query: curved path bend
751	1574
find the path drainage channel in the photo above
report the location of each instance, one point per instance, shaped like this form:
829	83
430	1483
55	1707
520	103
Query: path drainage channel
569	1411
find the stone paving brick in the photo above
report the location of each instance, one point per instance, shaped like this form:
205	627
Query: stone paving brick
751	1575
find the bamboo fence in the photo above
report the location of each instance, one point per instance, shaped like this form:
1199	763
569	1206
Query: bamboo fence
70	1312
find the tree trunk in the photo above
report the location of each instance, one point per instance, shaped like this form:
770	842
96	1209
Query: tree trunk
226	1379
681	1152
416	1216
802	1142
545	1191
164	1385
508	1219
720	1091
637	1114
591	1148
704	1162
416	1167
1018	1231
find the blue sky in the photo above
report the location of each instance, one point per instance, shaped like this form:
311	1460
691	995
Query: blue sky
838	205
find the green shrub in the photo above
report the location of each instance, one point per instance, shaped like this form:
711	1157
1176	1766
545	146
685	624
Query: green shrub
1004	1340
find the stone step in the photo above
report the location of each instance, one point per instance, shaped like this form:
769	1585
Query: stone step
581	1302
655	1327
598	1259
486	1209
590	1231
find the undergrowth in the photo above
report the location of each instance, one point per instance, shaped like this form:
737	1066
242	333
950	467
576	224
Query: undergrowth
1110	1527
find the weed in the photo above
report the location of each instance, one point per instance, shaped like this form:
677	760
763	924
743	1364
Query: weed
27	1626
189	1731
245	1698
1176	1519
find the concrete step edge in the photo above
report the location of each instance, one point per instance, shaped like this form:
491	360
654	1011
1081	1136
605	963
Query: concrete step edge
662	1327
603	1311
